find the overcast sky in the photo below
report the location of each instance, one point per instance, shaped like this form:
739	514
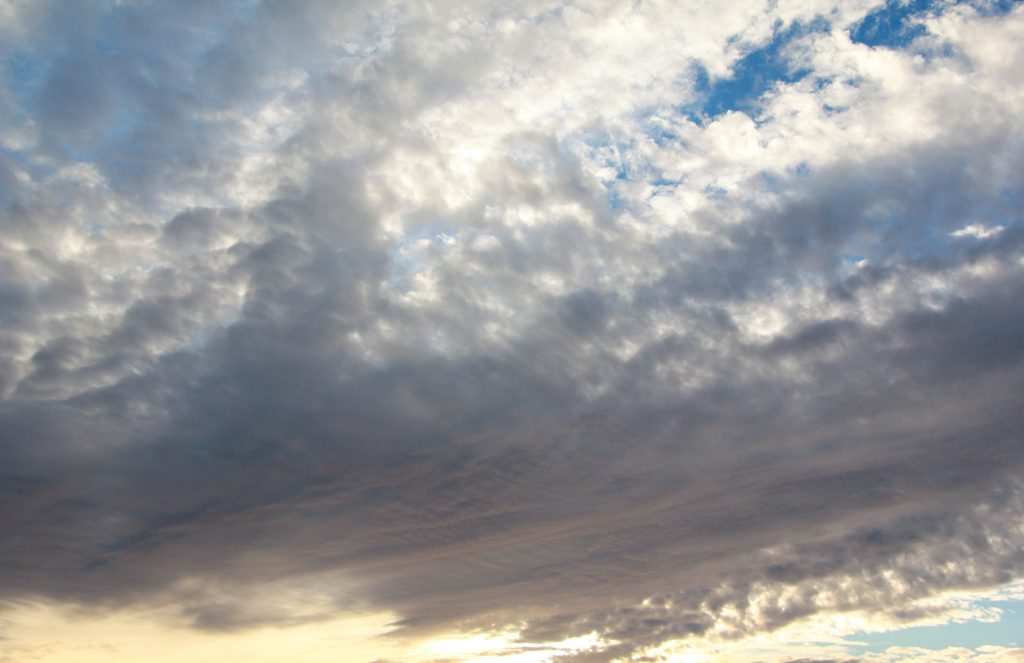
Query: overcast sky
517	331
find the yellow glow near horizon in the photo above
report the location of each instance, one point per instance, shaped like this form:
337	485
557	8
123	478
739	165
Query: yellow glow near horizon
506	647
56	633
48	633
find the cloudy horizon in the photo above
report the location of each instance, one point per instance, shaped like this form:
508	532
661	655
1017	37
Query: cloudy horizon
546	330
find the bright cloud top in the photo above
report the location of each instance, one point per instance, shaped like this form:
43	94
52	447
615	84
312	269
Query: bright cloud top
576	330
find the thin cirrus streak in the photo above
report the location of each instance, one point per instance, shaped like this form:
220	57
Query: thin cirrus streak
585	331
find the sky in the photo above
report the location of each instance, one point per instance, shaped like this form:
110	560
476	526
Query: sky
577	331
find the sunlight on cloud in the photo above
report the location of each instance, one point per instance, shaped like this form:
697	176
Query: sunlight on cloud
977	231
507	647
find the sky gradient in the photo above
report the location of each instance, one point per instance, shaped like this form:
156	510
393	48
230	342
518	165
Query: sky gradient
516	331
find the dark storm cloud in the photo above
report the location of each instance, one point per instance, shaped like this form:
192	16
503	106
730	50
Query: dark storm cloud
213	381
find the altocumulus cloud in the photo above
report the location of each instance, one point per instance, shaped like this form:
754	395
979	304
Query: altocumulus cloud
623	324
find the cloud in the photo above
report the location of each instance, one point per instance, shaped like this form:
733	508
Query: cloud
466	315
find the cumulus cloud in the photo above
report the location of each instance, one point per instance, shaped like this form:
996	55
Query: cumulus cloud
552	317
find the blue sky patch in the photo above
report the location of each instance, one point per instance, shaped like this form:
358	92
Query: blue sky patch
25	74
1007	632
752	76
892	26
897	24
995	7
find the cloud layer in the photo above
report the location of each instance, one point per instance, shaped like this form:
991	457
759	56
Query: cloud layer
653	321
